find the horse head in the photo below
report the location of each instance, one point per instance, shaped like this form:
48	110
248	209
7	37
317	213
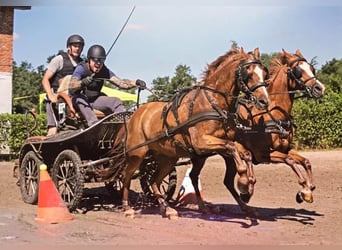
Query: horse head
303	75
239	71
250	77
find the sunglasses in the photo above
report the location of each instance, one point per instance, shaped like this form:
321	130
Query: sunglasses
96	59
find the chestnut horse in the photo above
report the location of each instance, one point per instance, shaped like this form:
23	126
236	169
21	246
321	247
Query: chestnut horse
195	122
266	136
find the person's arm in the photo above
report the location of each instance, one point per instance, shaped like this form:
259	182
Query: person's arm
123	83
46	85
55	65
76	79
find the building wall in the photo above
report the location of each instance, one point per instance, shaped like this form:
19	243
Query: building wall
6	58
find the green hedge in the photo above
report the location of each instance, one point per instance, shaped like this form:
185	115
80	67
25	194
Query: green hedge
318	122
15	134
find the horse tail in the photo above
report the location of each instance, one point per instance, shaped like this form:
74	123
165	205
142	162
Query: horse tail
117	160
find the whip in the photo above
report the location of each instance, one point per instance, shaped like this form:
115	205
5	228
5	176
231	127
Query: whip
123	27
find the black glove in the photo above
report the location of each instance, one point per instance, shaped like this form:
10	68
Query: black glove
86	81
141	84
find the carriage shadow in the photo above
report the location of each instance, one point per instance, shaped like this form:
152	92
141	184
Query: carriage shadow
99	199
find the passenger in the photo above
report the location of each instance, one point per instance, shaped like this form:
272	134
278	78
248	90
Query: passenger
90	76
61	65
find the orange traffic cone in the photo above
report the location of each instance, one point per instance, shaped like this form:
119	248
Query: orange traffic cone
187	193
51	207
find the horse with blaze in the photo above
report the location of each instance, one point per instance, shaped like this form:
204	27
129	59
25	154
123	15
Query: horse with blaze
195	122
265	136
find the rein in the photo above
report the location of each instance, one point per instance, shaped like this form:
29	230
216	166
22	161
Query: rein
216	114
206	115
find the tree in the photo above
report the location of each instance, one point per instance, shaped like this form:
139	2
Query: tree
266	59
331	75
164	88
26	86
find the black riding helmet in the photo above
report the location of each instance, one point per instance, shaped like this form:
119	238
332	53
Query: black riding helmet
75	39
96	51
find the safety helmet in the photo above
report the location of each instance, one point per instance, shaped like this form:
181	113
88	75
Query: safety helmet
96	51
75	39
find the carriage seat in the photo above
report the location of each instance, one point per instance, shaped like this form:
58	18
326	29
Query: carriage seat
63	93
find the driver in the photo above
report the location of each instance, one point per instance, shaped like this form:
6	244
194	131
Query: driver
89	75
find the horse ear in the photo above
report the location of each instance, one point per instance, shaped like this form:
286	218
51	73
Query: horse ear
242	50
287	54
298	53
284	51
256	53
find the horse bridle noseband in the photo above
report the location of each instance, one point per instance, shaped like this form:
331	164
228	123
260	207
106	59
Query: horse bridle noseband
296	75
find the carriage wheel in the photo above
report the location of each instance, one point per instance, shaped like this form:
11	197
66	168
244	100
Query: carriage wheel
68	178
147	172
29	177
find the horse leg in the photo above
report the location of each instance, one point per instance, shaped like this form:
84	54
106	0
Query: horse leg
197	165
246	155
131	167
306	165
229	178
241	168
305	193
165	166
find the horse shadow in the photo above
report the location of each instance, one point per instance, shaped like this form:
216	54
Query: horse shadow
100	199
233	214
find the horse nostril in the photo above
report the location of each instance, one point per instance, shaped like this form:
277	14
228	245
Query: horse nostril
264	102
317	91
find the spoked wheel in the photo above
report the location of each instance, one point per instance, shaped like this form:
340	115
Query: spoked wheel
29	177
147	173
68	178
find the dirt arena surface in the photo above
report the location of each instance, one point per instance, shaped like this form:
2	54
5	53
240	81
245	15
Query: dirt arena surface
281	221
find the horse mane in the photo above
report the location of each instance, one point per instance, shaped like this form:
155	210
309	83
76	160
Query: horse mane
277	64
232	55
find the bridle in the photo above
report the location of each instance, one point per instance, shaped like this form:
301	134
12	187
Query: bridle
295	73
242	77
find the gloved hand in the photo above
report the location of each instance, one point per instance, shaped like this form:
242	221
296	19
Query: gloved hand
87	80
141	84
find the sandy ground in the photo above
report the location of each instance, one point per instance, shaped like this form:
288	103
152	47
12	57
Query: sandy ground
281	220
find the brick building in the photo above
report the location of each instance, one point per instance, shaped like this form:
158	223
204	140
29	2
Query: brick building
6	55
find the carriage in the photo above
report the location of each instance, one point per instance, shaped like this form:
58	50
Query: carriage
198	122
112	150
75	156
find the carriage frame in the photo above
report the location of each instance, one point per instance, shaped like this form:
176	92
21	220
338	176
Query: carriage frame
74	157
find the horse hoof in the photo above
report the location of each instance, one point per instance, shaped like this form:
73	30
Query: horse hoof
308	197
242	185
171	214
245	197
129	213
304	196
299	198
